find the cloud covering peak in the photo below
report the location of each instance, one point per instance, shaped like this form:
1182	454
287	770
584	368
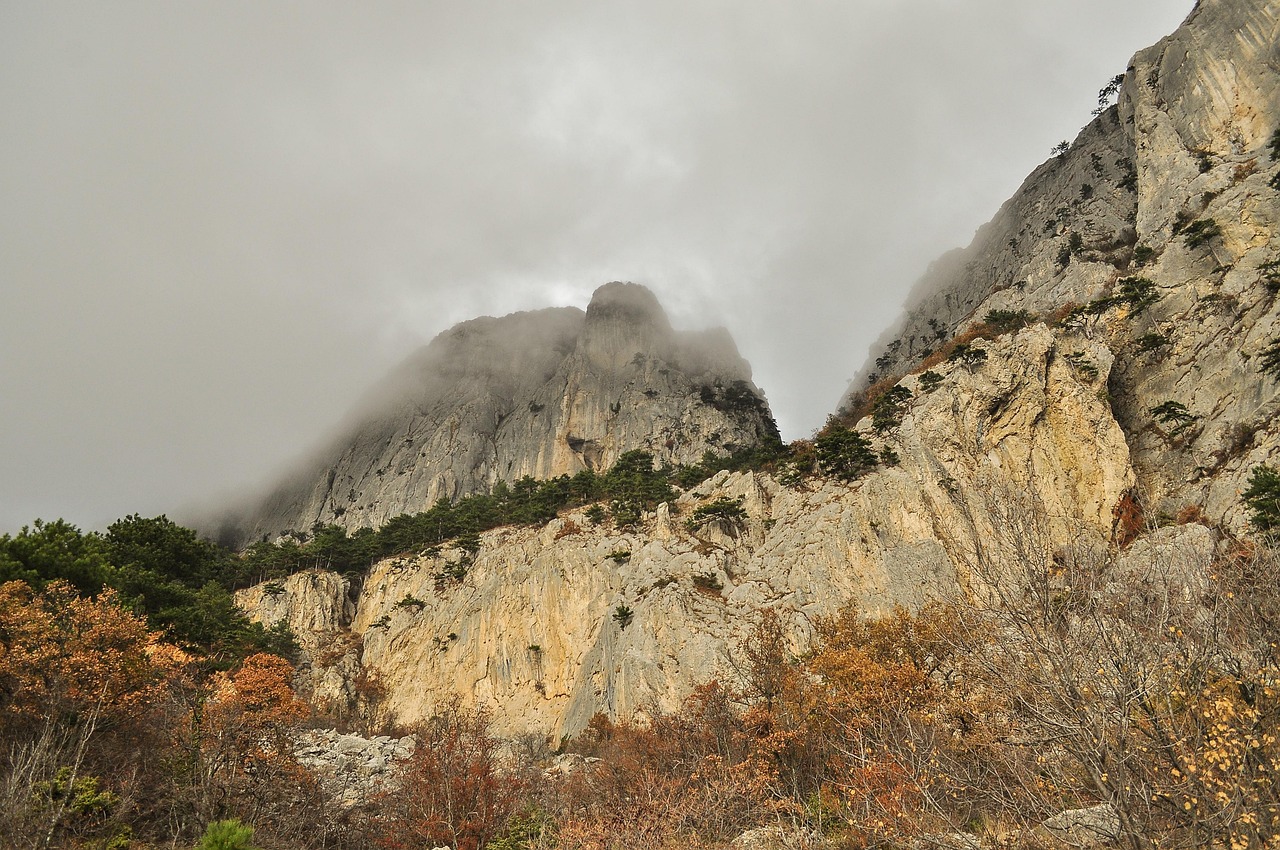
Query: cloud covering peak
224	222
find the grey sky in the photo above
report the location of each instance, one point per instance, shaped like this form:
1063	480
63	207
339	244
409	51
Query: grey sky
223	221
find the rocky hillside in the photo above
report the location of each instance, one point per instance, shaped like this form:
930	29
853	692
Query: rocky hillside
548	626
540	394
1100	362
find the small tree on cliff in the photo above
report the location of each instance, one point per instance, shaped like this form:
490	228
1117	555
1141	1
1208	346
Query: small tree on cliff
842	453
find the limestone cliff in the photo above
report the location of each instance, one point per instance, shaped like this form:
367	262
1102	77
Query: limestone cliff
542	394
1145	264
538	630
1175	185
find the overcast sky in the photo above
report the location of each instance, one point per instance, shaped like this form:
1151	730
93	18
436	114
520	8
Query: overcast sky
222	222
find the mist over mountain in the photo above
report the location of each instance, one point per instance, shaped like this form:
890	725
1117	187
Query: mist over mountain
228	221
1092	382
557	582
536	394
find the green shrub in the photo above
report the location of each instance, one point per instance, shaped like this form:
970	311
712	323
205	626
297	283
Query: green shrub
1138	292
411	601
929	381
844	454
1175	414
526	830
1271	275
708	583
1152	341
1005	321
623	615
1263	498
887	411
1077	316
620	556
1083	366
1274	145
725	510
1199	232
227	835
1269	359
1143	254
968	356
1128	182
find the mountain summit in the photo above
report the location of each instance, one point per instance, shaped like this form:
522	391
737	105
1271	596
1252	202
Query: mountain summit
543	393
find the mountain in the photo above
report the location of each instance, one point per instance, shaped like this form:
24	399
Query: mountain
541	394
1155	235
1092	381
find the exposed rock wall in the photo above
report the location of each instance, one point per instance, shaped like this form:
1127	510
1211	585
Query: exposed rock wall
318	608
542	394
1043	449
531	631
1188	142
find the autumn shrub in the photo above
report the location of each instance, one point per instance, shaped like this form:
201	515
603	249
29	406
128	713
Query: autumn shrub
453	791
1129	519
1149	687
89	699
242	762
682	779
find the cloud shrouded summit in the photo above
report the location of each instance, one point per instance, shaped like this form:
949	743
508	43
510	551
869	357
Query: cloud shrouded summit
225	222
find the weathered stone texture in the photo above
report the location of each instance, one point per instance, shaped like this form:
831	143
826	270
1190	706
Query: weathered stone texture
531	633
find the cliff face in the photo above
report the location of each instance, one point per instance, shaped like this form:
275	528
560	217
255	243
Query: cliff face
542	394
534	631
1149	254
1176	185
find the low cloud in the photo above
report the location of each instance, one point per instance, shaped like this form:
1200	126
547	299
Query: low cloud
224	222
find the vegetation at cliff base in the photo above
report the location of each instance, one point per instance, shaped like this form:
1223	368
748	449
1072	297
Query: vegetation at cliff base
157	569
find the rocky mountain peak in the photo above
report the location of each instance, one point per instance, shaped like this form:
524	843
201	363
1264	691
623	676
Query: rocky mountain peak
540	394
624	320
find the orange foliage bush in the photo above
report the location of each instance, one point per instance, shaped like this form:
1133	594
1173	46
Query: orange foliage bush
454	790
64	653
1129	519
86	696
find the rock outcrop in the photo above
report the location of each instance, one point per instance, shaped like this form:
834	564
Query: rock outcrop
551	625
541	394
352	768
1176	188
1132	285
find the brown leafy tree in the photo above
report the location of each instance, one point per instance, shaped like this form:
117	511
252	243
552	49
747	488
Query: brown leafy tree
454	790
